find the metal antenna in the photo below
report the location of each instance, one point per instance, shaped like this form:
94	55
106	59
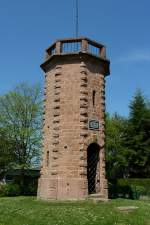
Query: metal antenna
77	18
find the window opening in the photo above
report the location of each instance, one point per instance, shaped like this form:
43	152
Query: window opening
47	158
94	93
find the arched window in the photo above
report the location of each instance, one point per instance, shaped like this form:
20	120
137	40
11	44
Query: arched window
92	166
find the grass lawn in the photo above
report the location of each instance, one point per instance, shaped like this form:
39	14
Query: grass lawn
29	211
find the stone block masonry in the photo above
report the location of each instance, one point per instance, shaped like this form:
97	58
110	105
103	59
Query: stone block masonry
74	95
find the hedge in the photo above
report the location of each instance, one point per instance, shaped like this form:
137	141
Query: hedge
13	189
9	190
144	182
129	188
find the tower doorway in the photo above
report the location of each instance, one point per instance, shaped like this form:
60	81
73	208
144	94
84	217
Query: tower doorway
92	165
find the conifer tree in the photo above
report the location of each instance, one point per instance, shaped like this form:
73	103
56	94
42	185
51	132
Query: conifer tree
137	139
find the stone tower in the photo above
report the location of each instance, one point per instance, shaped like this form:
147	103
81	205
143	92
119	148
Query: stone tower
73	165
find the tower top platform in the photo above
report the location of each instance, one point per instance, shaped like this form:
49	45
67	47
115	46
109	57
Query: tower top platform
82	46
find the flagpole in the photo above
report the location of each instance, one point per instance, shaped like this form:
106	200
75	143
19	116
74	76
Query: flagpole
77	18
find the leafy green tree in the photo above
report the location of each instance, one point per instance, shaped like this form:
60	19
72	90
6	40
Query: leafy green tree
137	139
5	153
20	117
116	163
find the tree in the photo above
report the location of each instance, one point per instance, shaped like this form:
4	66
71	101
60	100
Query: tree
116	163
137	138
20	117
5	153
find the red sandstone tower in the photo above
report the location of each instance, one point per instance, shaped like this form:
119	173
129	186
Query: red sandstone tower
73	165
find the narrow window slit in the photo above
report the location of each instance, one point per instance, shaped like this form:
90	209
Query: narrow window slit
94	93
47	158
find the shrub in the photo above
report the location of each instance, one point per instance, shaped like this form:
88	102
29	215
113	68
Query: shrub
30	190
9	190
137	191
135	182
124	191
129	188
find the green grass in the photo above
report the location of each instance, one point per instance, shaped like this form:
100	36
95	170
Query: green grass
29	211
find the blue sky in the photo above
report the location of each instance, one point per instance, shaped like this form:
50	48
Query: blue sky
27	27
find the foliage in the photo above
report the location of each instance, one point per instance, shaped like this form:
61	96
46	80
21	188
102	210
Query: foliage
30	189
137	137
14	189
10	190
116	162
137	182
128	141
20	117
137	191
5	152
129	188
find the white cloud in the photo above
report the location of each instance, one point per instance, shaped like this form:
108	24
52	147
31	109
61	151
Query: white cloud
135	56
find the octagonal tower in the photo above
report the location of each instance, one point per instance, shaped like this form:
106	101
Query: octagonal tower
73	165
